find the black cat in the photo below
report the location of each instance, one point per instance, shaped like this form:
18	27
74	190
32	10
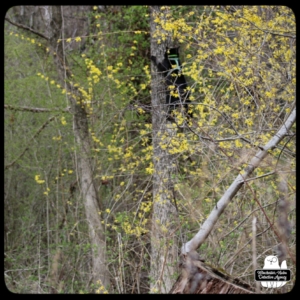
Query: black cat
171	69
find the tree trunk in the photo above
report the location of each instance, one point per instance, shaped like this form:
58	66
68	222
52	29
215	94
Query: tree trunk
84	163
164	245
48	22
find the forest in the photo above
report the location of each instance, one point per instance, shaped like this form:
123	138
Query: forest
149	149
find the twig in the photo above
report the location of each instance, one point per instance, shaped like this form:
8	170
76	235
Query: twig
261	176
26	28
263	30
245	219
254	258
34	109
208	225
29	143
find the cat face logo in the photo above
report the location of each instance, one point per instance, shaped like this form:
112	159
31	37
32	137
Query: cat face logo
271	263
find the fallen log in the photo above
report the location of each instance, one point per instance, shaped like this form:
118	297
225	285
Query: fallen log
198	277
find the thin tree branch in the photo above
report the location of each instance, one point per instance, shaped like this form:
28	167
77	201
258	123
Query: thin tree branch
263	30
245	219
27	28
29	142
261	176
208	225
34	109
254	256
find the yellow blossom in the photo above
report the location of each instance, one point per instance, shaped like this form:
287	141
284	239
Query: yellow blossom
56	138
47	191
38	180
63	121
238	144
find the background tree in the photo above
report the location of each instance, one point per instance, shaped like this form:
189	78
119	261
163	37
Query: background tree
54	31
164	244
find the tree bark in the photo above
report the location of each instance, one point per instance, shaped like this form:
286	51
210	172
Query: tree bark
164	245
48	22
198	277
84	163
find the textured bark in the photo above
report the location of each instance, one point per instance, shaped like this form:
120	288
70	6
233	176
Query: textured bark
85	170
200	278
37	19
164	245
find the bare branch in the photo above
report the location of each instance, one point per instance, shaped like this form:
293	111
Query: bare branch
208	225
29	143
34	109
246	218
26	28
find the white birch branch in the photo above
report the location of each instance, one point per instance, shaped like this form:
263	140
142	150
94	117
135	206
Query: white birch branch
208	225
